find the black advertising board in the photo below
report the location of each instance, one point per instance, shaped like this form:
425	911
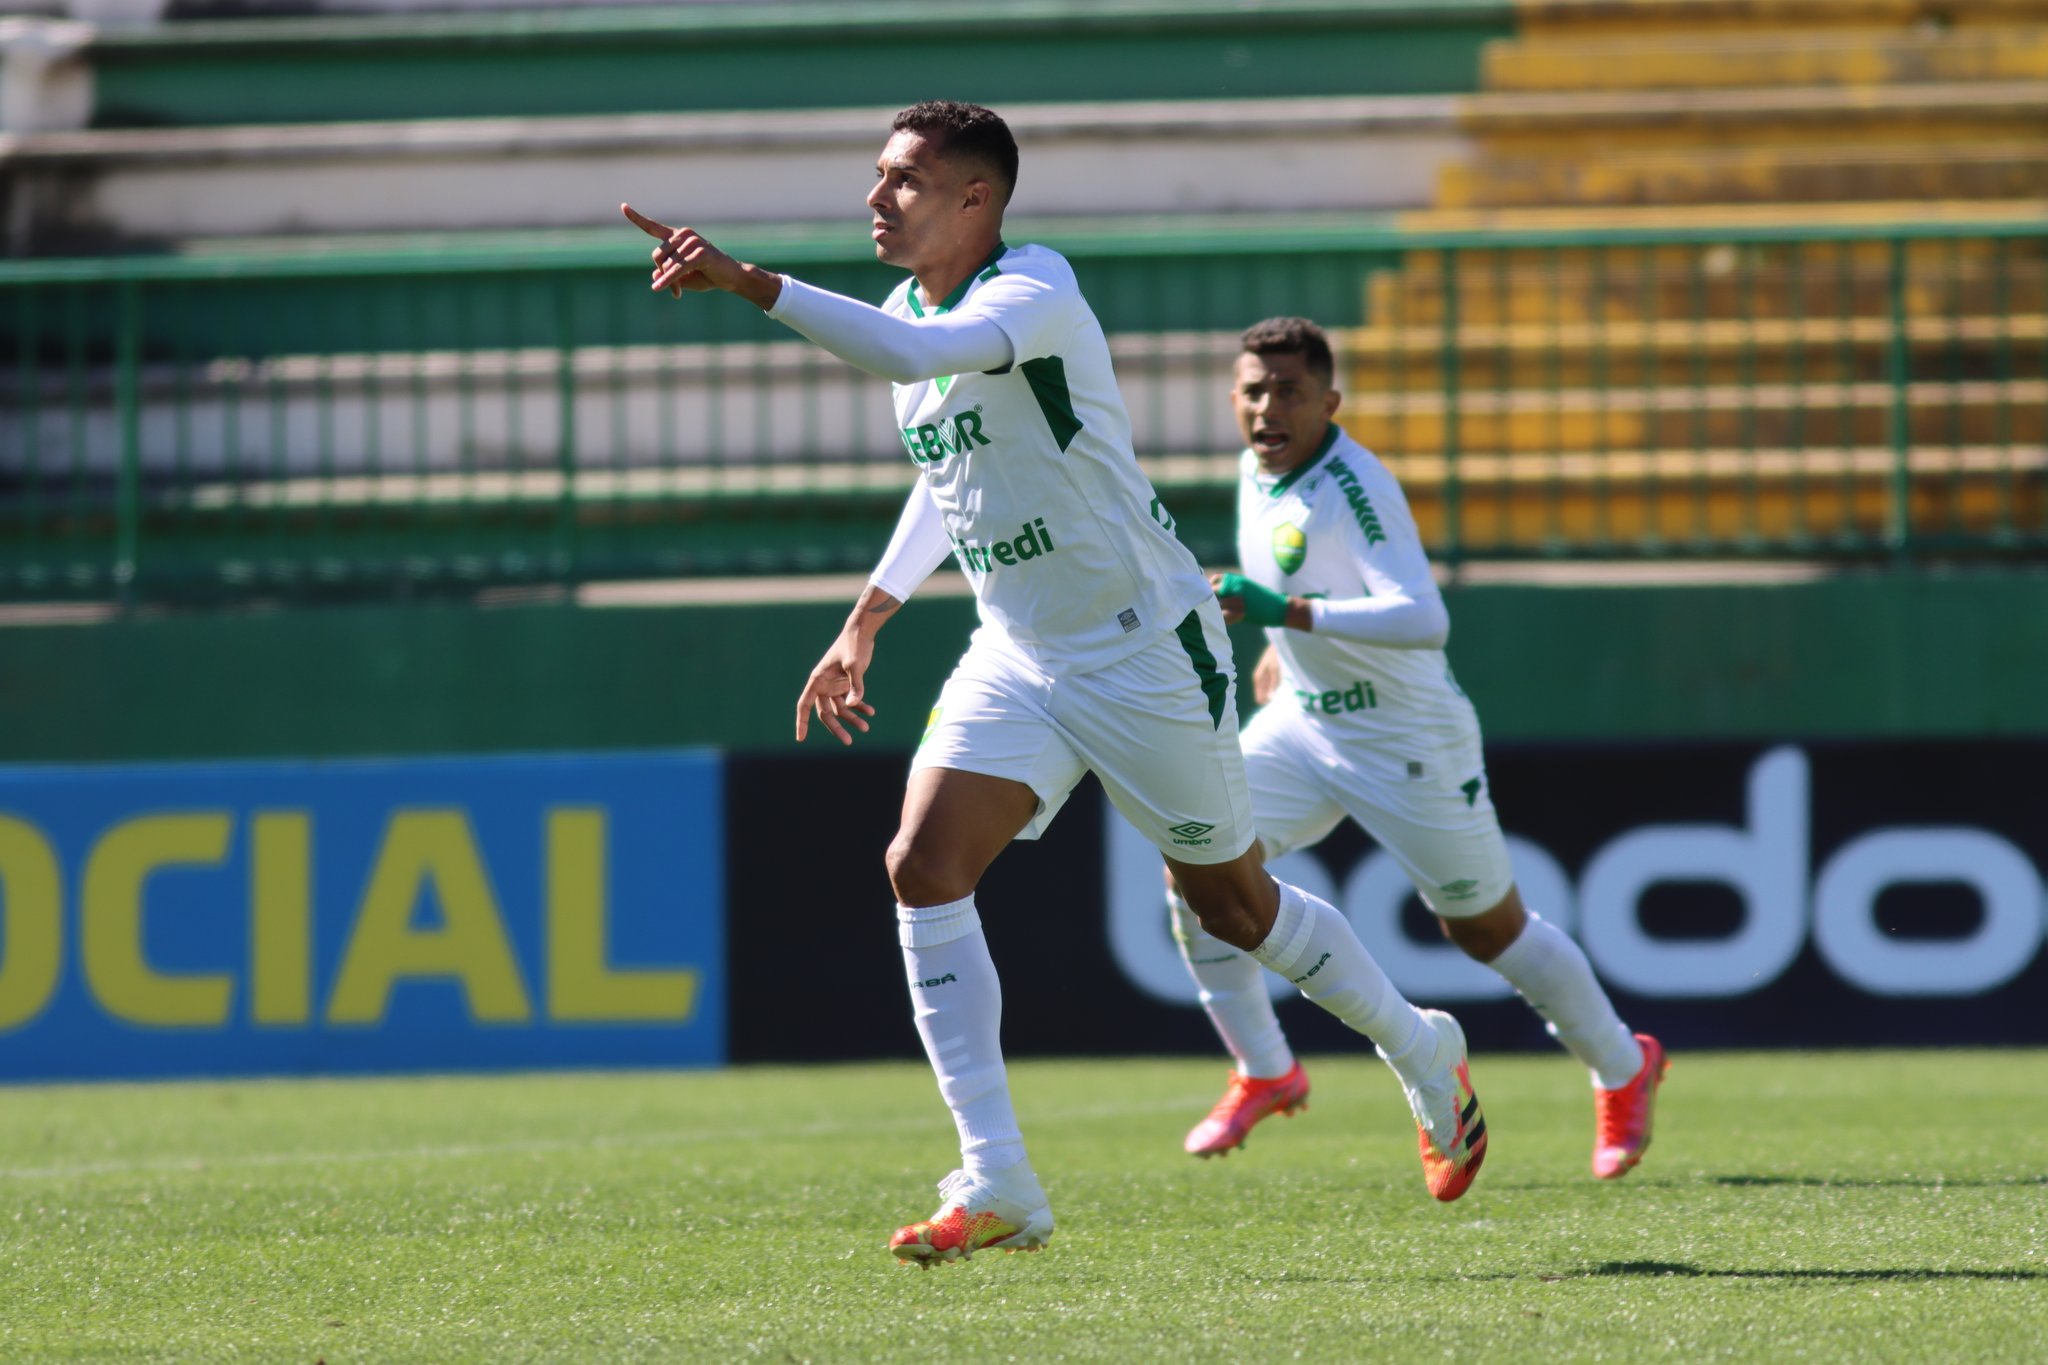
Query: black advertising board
1761	895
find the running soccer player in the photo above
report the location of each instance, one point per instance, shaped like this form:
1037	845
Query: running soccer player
1101	648
1361	717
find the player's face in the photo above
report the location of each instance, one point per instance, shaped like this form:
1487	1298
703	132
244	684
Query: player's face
917	201
1283	408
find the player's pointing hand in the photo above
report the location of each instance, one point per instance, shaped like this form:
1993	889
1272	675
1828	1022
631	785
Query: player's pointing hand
678	260
686	260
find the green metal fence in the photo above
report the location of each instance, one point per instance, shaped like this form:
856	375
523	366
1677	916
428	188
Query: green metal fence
483	412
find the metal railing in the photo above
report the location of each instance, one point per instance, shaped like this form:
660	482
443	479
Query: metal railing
522	412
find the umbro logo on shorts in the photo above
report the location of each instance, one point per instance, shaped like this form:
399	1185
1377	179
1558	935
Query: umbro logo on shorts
1189	833
1459	890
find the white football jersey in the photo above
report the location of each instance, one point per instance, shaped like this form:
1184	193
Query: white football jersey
1337	527
1071	556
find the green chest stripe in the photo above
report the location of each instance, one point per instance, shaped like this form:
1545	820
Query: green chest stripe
1048	379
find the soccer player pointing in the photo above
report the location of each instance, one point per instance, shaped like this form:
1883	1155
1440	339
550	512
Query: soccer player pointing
1363	718
1101	648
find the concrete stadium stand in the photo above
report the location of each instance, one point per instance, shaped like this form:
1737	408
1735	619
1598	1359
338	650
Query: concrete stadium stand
102	188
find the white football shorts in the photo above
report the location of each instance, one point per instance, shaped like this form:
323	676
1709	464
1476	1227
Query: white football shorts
1434	814
1158	728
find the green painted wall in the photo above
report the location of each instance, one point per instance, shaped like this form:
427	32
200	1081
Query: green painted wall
784	56
1920	654
1878	655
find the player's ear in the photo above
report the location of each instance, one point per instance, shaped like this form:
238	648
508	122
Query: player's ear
980	194
1332	400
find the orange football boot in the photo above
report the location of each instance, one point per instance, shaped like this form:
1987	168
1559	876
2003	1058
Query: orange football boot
1449	1125
1246	1100
1006	1211
1621	1118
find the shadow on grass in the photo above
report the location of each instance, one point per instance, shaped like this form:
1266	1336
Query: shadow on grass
1680	1269
1854	1182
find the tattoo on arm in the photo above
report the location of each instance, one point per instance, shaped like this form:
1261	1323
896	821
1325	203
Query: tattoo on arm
883	605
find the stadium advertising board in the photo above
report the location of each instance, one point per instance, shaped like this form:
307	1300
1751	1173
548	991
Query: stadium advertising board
275	917
1730	895
1975	942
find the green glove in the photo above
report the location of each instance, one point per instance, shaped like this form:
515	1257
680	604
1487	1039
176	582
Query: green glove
1262	606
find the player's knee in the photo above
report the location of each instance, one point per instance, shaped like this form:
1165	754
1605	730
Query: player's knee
1232	924
1485	937
1226	916
1235	902
922	875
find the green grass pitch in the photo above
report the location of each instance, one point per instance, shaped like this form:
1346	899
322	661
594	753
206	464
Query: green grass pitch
1818	1207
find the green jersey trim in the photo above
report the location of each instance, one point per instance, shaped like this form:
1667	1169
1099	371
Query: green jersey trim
1214	685
1362	510
1047	376
1296	474
987	270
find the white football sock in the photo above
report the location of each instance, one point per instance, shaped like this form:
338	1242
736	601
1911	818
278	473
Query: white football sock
1234	993
1312	945
1552	974
958	1003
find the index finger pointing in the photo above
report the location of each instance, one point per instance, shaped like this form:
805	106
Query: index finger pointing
646	224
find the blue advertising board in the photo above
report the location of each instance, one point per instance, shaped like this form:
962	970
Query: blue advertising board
353	916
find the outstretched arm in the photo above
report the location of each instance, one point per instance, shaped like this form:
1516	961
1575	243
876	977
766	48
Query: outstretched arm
901	350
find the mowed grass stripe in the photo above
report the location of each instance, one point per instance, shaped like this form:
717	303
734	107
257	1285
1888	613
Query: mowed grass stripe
870	1127
1835	1206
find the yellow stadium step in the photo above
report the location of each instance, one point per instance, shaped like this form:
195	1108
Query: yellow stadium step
1695	61
1811	173
1682	415
1583	18
1700	218
1718	351
1712	283
1602	121
1687	504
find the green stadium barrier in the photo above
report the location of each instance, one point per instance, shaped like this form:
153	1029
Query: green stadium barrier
881	53
474	412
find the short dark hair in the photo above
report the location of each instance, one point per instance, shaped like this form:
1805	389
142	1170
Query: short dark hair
965	130
1293	336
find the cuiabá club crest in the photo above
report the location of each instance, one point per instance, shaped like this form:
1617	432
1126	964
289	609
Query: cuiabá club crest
1290	546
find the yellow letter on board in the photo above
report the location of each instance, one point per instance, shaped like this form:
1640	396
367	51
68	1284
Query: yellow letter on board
280	917
581	986
422	846
32	913
111	917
